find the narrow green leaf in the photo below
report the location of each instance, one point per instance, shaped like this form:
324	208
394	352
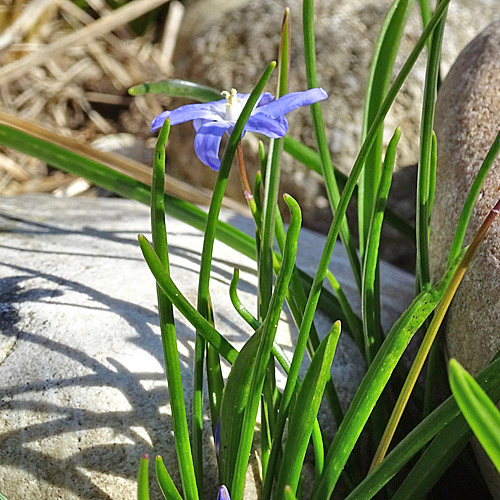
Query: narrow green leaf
353	322
478	409
165	482
370	303
266	234
215	382
306	408
238	305
470	202
206	265
167	325
271	184
430	335
320	132
425	175
165	282
436	458
266	341
177	88
332	471
444	418
234	401
143	479
374	382
288	494
381	68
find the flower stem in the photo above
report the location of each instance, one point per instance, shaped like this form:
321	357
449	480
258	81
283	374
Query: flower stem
247	190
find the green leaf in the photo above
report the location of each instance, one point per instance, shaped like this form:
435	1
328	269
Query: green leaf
311	160
426	175
165	282
321	139
203	302
443	419
165	482
381	68
234	401
437	457
288	494
269	327
178	88
473	195
478	409
306	408
167	325
374	382
370	307
143	479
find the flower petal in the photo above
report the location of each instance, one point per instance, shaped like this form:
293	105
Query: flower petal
207	142
292	101
263	99
267	125
209	111
223	494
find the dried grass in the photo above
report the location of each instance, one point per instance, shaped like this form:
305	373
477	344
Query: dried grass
70	71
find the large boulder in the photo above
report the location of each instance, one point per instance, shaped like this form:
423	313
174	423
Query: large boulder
467	121
83	392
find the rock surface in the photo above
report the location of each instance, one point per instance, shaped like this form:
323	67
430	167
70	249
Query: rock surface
228	44
467	121
82	386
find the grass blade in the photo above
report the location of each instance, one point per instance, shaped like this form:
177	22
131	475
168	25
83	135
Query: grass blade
269	328
431	335
374	382
142	479
478	409
225	349
311	160
472	198
167	325
306	408
442	418
381	68
370	305
165	482
177	88
425	175
203	303
319	129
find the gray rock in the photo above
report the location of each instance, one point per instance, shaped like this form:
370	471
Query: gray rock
228	44
82	391
467	121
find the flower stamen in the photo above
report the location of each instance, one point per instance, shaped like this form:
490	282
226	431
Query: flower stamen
233	107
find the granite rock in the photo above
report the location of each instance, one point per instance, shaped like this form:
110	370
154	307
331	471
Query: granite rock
467	121
82	387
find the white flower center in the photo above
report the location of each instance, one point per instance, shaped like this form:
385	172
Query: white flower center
233	106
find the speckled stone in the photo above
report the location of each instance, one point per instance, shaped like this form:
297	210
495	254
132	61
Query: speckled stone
467	121
82	386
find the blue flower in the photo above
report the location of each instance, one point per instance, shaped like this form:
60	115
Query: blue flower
212	120
223	494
